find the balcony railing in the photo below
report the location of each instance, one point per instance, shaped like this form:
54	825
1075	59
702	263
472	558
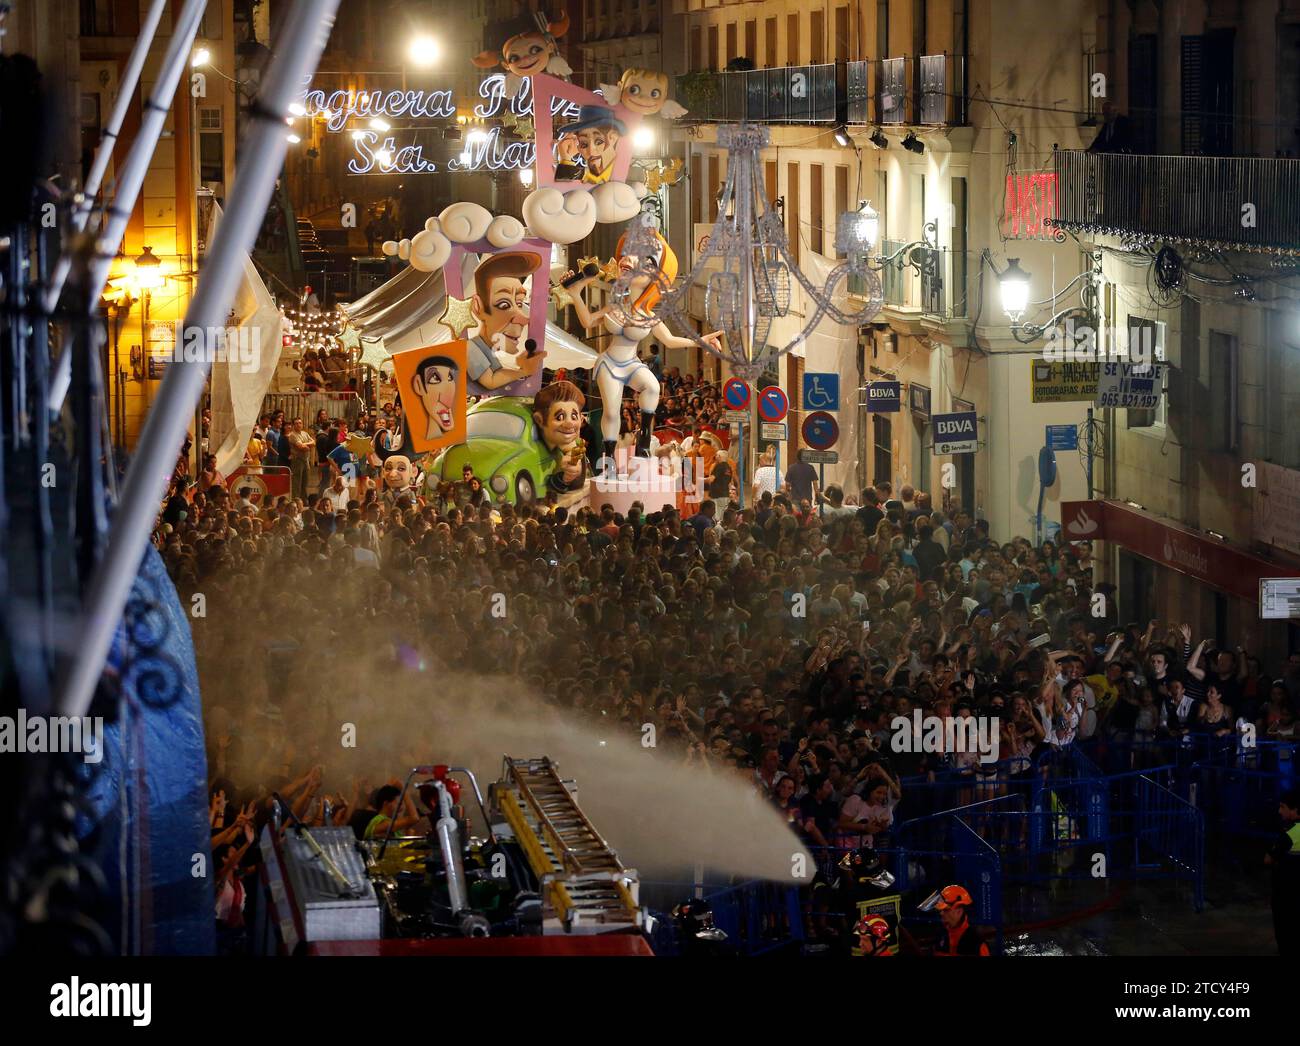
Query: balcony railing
787	94
1199	200
925	90
936	290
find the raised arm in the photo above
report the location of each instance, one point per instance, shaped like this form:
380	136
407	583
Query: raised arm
1115	645
1193	669
585	316
670	340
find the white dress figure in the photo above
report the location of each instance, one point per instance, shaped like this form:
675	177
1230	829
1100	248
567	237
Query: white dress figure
619	365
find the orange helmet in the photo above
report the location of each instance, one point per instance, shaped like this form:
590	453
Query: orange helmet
948	897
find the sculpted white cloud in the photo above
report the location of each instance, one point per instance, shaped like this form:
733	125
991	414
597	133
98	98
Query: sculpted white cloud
615	202
559	217
465	222
505	231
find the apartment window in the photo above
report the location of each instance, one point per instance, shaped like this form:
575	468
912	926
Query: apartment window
699	189
769	181
1146	339
751	41
919	13
1288	88
1283	392
212	146
841	196
731	42
697	48
713	62
1207	76
920	453
90	134
792	39
817	38
792	210
210	27
816	209
715	183
770	59
882	439
1223	382
882	29
97	17
843	45
958	241
882	202
1143	91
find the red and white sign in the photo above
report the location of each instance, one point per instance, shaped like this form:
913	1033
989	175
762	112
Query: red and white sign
1221	566
263	481
1030	202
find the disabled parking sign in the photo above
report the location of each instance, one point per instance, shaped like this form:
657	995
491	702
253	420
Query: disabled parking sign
821	391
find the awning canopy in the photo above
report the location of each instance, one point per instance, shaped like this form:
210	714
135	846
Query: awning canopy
1219	565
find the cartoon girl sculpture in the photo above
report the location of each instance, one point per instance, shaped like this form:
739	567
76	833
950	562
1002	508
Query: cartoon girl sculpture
619	365
527	47
643	91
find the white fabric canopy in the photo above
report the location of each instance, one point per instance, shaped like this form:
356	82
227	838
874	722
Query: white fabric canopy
239	384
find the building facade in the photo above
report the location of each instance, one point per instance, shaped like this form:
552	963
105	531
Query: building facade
1199	224
942	114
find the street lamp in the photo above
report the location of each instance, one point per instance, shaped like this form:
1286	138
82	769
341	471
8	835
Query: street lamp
1013	284
860	229
148	270
423	50
643	139
202	56
148	277
1014	287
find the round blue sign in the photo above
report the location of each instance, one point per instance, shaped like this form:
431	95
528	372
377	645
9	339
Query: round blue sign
773	404
736	394
820	430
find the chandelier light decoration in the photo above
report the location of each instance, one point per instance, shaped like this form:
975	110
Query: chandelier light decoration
745	269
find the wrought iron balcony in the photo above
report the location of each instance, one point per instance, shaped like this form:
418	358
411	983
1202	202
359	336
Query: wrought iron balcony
797	94
929	281
878	91
1199	200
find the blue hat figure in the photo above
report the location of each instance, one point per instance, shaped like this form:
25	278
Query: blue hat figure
598	152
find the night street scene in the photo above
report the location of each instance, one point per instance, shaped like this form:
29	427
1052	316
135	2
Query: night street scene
687	479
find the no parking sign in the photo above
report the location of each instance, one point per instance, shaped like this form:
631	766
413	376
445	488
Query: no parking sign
735	393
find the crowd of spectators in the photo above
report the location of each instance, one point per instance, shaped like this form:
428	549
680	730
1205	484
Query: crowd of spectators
776	643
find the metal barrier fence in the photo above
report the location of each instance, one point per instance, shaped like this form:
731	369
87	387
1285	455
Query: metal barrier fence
1061	817
762	917
1146	815
340	406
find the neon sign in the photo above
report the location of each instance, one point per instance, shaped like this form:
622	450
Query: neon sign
384	155
1030	204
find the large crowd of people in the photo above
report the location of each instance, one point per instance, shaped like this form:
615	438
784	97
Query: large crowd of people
777	642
